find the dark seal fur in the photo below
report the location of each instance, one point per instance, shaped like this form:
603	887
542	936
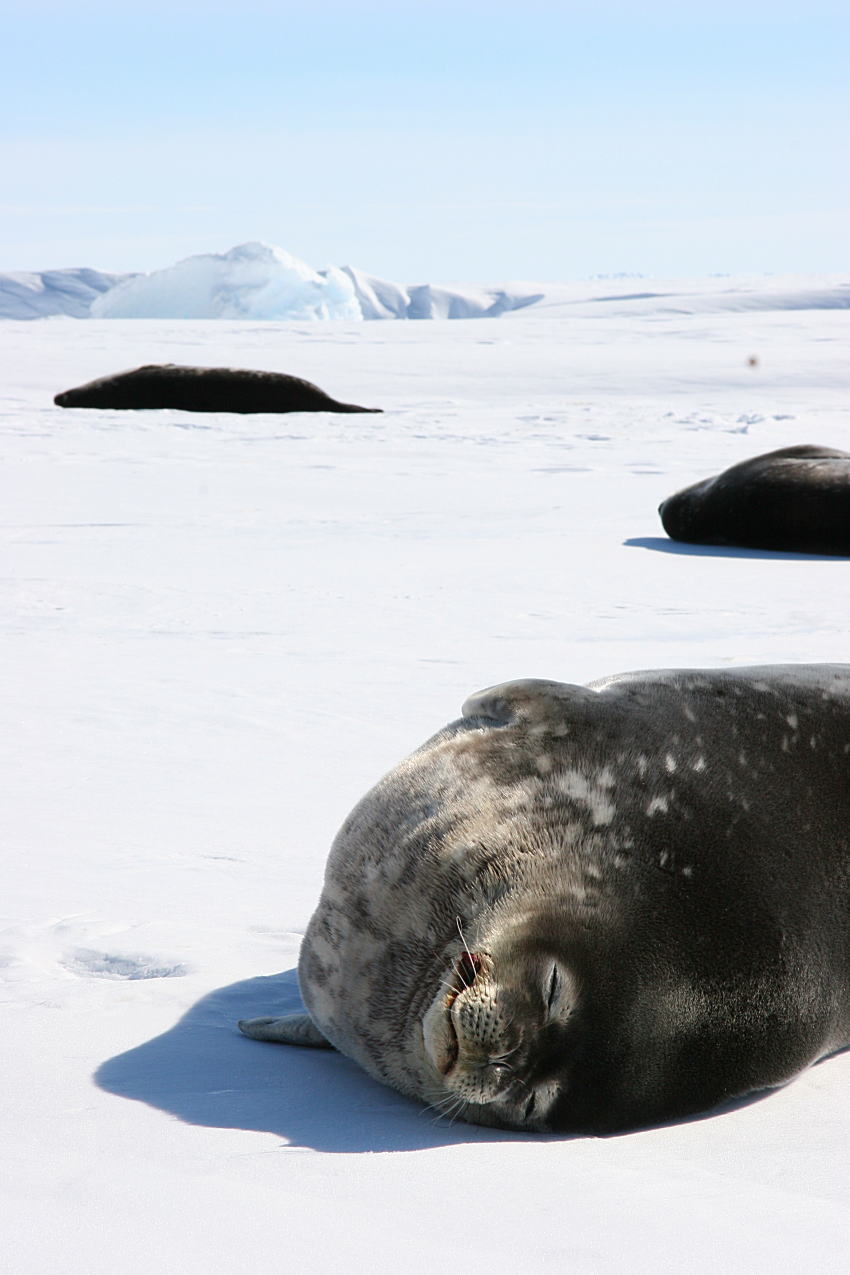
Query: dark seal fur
796	499
596	908
203	389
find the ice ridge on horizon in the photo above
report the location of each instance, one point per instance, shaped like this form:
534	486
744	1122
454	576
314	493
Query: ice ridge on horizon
261	281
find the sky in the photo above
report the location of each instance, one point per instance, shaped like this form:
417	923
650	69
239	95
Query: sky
428	141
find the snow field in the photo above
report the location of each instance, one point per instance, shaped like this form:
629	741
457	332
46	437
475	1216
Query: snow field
218	632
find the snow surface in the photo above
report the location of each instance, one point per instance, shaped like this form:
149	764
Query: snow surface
218	632
259	281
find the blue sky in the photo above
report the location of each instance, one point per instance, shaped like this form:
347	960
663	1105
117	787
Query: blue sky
427	140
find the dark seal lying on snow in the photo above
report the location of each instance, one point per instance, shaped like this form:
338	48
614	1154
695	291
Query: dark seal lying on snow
797	499
204	389
595	908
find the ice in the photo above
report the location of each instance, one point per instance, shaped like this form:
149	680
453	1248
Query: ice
378	298
218	632
257	281
251	281
381	299
260	281
41	294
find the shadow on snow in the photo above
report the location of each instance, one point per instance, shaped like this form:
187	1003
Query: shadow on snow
661	544
206	1073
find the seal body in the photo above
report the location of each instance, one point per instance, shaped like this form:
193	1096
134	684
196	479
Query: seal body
203	389
595	908
797	499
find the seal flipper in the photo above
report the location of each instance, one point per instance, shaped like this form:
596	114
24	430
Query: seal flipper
539	705
292	1029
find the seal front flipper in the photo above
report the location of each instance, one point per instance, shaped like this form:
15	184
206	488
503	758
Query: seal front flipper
292	1029
538	705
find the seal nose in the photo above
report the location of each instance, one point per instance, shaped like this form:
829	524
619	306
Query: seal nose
467	967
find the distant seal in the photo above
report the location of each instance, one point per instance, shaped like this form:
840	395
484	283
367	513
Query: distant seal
797	499
596	908
203	389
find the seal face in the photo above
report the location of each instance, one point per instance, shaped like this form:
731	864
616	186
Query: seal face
596	908
203	389
796	499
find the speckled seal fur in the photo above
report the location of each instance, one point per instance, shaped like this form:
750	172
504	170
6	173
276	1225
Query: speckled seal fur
596	908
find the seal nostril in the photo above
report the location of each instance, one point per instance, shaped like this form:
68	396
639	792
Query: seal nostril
467	967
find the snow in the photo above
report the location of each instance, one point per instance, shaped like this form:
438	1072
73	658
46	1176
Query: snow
219	631
260	281
40	294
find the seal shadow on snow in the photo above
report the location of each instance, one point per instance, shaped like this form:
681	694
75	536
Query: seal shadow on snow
662	545
204	1072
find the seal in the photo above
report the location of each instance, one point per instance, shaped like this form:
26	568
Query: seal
595	908
796	499
203	389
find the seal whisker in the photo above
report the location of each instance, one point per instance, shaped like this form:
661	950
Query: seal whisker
455	1110
462	938
446	1105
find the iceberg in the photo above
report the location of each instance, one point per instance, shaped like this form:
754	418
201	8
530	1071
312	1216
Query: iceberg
251	281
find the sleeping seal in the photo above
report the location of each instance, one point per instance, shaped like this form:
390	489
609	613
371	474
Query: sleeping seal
203	389
797	499
595	908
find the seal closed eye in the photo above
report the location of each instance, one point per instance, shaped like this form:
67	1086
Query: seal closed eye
595	908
